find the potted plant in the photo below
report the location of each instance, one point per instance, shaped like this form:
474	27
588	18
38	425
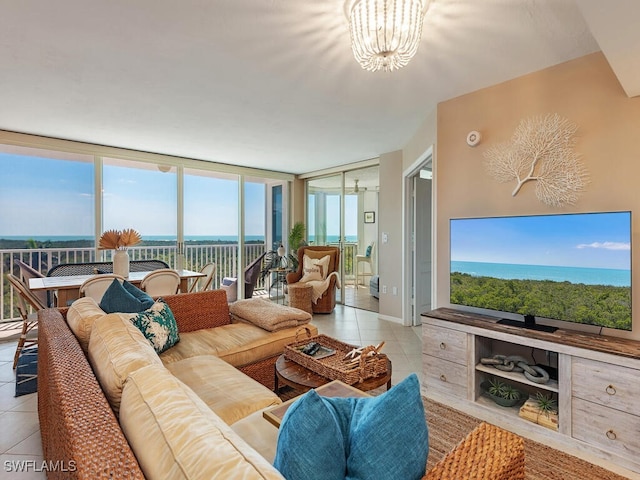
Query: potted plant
278	257
541	409
502	393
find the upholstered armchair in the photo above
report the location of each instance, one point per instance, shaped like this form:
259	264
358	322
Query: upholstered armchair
327	302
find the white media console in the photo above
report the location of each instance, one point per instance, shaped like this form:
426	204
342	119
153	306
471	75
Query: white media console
597	386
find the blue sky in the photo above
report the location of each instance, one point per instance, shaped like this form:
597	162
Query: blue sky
595	240
56	197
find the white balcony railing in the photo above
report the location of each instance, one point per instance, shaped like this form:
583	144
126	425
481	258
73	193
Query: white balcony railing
196	256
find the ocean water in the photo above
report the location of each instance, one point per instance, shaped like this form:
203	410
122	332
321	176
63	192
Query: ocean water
507	271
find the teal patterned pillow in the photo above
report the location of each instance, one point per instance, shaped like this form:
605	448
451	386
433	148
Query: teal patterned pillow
158	325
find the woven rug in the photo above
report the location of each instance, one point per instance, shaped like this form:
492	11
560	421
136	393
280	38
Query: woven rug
448	427
27	372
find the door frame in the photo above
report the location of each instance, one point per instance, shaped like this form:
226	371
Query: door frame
409	314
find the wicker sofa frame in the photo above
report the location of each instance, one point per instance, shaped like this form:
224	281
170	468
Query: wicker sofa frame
81	434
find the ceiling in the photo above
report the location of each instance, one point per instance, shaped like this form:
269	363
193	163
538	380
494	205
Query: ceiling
273	83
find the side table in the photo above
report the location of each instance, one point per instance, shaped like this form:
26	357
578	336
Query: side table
288	372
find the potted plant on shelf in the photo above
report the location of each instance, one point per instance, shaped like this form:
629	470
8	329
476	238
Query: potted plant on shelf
502	393
541	409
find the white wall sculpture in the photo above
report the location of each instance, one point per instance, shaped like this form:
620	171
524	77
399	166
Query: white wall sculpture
541	150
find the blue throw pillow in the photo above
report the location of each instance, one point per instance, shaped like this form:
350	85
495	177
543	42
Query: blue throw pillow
310	446
158	325
145	299
117	298
382	437
368	252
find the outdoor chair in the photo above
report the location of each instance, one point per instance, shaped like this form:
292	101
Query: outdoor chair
366	259
164	281
95	287
92	268
251	275
203	283
29	320
27	272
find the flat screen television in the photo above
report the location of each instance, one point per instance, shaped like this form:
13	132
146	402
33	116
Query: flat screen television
570	267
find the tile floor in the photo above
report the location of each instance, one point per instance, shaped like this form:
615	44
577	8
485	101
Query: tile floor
19	429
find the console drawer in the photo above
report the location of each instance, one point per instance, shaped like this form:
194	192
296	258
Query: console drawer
604	427
444	376
445	343
606	384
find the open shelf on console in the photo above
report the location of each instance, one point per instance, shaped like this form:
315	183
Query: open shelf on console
551	385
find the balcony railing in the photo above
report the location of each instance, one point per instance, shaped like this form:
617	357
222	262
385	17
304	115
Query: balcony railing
196	256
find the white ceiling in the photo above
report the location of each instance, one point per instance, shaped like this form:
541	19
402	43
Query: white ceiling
273	83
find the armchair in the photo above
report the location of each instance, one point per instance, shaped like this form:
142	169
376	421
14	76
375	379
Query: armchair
327	302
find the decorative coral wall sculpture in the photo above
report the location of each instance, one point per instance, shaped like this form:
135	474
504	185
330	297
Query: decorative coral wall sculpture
541	150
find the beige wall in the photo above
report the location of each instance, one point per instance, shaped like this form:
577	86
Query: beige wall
424	138
390	253
586	92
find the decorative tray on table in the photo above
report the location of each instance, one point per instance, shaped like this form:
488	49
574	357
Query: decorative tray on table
336	360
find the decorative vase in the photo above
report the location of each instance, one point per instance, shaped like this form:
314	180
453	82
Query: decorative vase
121	263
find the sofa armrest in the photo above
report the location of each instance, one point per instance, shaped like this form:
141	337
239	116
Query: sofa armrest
487	453
198	310
78	428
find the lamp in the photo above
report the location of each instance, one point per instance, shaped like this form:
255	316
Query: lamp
385	34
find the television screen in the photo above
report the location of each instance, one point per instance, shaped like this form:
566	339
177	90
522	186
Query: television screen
571	267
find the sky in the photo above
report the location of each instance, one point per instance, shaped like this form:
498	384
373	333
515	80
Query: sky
43	196
593	240
56	197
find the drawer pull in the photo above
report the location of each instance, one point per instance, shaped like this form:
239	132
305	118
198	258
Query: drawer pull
443	377
611	435
611	390
443	346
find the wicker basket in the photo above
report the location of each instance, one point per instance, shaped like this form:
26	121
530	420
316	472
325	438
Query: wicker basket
334	367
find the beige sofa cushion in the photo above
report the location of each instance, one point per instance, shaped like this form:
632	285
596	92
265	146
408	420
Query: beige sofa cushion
238	344
81	316
261	435
227	391
117	348
174	435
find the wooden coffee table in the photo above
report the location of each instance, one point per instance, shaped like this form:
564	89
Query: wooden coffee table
302	379
332	389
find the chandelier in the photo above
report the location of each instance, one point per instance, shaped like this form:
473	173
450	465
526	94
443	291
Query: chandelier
385	34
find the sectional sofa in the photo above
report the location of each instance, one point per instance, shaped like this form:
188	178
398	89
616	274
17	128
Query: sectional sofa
111	407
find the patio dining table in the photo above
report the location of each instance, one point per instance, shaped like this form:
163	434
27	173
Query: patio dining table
68	287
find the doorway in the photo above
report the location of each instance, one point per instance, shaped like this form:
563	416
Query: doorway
342	210
418	237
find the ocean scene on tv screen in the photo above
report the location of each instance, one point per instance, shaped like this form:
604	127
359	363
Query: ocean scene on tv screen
572	267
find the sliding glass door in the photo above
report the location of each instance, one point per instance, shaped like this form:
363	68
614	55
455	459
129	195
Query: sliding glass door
325	220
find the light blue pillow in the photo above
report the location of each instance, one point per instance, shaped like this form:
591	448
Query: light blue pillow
121	298
382	437
158	325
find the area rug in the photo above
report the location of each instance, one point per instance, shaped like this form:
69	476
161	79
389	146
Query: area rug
27	372
448	427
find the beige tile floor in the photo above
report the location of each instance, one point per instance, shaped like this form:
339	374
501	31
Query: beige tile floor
19	428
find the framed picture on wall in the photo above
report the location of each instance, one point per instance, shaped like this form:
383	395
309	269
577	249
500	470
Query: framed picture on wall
369	217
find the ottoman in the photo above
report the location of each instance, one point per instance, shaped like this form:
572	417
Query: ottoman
300	296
